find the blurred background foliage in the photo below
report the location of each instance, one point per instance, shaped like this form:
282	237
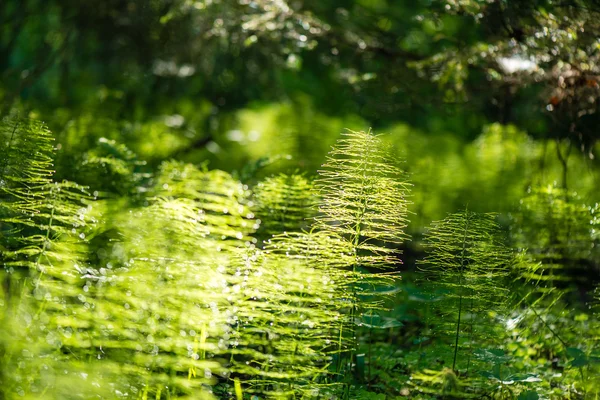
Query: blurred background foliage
482	99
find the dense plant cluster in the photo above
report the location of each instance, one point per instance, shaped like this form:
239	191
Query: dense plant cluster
187	283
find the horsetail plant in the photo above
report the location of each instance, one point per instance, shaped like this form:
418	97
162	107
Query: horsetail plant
466	256
364	203
289	313
44	224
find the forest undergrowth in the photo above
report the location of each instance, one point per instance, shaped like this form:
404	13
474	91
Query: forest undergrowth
187	283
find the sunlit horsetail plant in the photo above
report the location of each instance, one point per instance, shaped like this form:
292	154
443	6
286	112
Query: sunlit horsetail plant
57	339
289	315
364	202
140	323
466	256
158	303
289	310
223	201
223	205
559	236
25	168
43	235
59	358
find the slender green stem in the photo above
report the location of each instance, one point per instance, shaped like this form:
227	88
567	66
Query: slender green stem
460	279
355	243
549	328
45	244
565	345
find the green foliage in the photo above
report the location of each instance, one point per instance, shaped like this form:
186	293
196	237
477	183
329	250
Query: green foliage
289	329
222	201
161	295
364	198
335	258
364	203
488	173
444	383
117	163
527	46
152	278
560	234
467	258
182	283
47	223
134	321
285	203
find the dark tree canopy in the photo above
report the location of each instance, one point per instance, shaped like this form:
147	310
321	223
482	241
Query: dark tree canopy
532	63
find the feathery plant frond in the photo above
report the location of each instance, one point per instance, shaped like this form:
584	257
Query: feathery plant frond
364	195
364	202
175	292
223	200
51	212
158	309
25	178
290	315
145	321
176	273
285	203
466	257
47	223
363	206
26	149
53	248
25	168
162	302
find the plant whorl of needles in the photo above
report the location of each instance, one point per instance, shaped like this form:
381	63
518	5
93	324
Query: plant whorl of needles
364	197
